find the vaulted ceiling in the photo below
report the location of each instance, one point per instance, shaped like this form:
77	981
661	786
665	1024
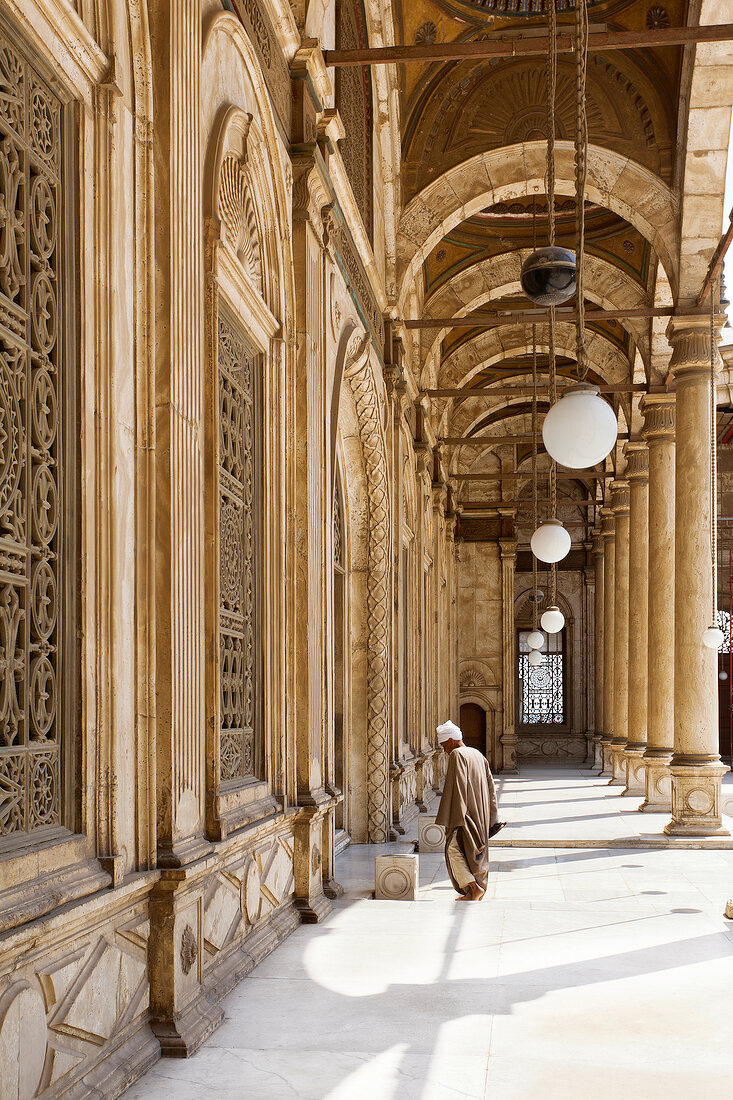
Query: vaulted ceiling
477	129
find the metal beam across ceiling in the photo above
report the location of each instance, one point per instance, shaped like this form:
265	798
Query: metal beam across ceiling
529	45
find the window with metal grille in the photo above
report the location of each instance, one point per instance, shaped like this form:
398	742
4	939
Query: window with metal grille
542	687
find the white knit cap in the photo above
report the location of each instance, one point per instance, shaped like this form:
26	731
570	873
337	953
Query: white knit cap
449	731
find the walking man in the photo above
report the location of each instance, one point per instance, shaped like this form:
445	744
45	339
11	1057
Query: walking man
468	811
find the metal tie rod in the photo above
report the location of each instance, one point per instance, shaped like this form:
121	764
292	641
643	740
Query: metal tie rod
524	45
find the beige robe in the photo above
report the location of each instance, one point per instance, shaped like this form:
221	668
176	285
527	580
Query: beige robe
468	808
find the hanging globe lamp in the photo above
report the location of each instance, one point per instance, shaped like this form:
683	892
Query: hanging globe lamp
548	276
550	542
535	639
713	637
535	657
553	620
581	428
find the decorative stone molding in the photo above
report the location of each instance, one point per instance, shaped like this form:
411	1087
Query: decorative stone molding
690	340
608	529
660	420
358	370
189	949
620	497
637	461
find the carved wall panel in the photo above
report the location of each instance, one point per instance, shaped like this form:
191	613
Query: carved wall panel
58	1015
239	521
354	101
31	496
242	895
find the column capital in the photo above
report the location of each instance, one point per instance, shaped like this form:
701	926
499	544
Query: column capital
660	416
690	340
637	461
598	548
608	523
508	548
621	497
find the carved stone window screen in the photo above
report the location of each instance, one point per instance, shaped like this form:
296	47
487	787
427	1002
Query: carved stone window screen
240	659
338	527
35	592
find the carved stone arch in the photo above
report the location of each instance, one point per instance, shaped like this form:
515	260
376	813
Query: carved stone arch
523	606
233	206
359	373
249	132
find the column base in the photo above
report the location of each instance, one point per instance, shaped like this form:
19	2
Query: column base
696	790
618	765
635	771
509	743
589	753
657	784
605	758
597	752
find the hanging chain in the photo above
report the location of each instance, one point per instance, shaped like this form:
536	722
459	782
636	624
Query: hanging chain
553	586
581	174
713	456
535	516
535	611
551	90
553	399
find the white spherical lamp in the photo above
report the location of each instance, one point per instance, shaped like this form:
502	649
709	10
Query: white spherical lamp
723	675
581	428
535	657
535	639
713	637
550	542
553	620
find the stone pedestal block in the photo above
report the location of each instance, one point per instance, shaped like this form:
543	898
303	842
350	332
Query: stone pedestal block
658	784
430	837
618	766
635	772
729	909
396	878
696	809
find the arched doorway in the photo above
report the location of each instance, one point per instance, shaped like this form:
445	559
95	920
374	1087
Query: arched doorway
473	726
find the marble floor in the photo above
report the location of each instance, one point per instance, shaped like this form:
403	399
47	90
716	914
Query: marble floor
566	807
589	973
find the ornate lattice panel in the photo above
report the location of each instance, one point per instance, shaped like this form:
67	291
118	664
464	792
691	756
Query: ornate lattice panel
542	687
30	447
238	524
338	529
354	101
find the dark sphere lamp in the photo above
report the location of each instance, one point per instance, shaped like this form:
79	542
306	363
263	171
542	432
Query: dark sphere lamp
548	276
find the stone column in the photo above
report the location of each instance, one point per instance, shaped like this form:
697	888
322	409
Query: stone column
620	497
508	549
316	797
589	577
598	559
696	766
659	432
608	534
637	474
